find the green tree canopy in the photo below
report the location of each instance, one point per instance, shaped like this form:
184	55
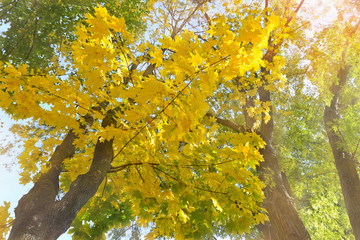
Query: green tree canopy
37	29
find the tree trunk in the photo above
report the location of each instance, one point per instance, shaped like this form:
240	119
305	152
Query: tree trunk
285	223
39	216
344	160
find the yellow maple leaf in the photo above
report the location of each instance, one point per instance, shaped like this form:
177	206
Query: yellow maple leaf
5	220
196	59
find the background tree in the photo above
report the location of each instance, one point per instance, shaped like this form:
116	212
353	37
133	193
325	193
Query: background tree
305	157
306	150
340	85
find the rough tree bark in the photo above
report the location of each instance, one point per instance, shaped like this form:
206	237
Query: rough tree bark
344	160
39	216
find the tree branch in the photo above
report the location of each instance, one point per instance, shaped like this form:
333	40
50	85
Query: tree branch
186	185
15	3
227	123
7	54
122	167
356	28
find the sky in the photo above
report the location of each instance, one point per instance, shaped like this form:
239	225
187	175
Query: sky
10	189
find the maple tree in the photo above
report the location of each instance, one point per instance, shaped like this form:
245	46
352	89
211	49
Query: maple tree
128	136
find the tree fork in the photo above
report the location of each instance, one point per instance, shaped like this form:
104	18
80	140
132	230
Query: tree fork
39	216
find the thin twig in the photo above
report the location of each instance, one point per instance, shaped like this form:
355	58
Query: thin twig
7	11
222	182
140	175
64	99
199	188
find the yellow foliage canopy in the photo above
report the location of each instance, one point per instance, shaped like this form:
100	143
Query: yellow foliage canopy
174	164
